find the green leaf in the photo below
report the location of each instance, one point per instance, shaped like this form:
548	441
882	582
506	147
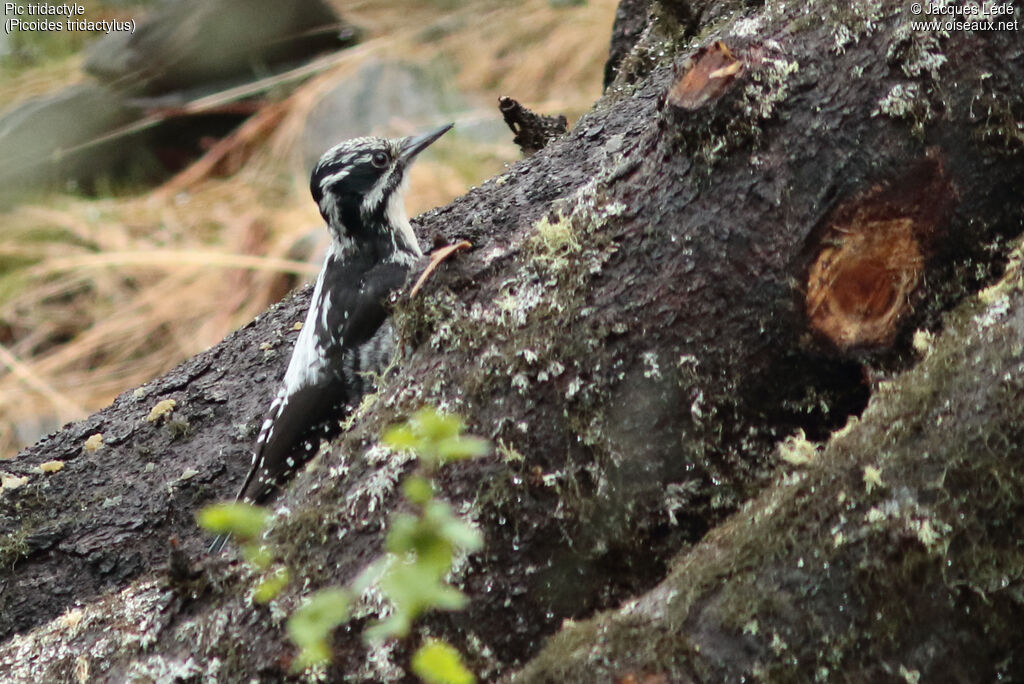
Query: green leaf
447	597
434	556
395	625
259	555
462	535
412	591
433	426
418	490
422	547
400	438
402	535
314	654
462	447
408	590
437	511
271	586
455	532
311	625
370	574
435	437
436	662
241	520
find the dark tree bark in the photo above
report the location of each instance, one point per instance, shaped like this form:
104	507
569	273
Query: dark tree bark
891	556
630	20
736	244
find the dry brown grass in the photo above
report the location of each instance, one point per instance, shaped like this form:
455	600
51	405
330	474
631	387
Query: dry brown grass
100	296
41	80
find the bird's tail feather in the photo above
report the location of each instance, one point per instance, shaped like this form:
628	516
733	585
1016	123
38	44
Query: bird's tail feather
218	544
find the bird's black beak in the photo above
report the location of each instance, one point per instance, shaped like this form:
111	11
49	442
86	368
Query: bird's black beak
415	144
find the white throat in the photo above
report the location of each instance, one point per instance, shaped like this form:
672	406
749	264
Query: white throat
405	238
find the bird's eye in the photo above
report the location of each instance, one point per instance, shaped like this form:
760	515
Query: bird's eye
379	159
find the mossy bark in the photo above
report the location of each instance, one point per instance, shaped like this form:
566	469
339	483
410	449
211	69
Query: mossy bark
633	332
892	555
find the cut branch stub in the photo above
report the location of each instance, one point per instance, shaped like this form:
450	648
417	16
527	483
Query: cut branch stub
706	76
533	131
871	255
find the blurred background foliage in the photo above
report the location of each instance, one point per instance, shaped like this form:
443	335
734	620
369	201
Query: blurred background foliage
198	217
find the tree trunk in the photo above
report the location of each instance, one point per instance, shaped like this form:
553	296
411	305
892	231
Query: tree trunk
737	243
892	555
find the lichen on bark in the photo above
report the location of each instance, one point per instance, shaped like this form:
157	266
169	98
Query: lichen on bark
631	331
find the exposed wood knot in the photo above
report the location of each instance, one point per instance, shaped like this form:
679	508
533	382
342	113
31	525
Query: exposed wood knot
858	288
871	255
706	76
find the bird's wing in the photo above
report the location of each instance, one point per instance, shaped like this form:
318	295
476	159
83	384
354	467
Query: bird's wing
322	376
345	333
358	312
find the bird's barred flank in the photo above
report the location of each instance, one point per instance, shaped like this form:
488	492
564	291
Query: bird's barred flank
359	187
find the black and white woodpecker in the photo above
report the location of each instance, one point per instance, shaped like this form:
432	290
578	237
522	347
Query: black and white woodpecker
359	186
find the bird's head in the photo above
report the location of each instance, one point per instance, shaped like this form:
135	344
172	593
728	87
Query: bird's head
359	186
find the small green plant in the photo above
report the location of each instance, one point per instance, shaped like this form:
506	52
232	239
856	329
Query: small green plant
436	662
421	549
245	523
242	521
422	545
310	626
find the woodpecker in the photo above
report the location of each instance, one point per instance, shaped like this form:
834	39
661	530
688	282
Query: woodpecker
359	186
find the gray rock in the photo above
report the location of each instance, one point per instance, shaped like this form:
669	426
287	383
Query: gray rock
56	140
188	43
392	98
